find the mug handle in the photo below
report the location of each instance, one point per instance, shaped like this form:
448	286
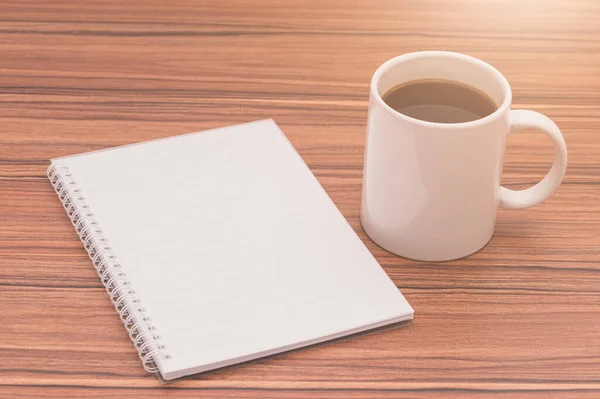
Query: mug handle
523	119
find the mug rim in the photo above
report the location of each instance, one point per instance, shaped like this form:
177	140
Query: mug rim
386	66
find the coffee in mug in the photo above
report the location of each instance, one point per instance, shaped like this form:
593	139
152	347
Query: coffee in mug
436	134
440	101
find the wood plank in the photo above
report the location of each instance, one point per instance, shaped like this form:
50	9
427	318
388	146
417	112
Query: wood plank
520	319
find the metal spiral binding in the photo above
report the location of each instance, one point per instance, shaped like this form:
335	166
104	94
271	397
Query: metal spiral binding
137	323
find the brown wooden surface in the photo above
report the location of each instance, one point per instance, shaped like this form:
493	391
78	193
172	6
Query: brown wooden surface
519	319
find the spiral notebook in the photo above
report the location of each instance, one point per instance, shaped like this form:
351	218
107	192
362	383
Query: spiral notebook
219	247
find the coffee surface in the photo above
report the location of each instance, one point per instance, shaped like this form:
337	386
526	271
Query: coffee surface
440	101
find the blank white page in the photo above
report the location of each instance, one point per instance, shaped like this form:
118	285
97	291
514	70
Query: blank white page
233	247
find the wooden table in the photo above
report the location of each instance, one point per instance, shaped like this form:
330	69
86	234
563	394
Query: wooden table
519	319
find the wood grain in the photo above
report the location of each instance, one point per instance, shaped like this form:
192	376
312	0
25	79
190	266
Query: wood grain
519	319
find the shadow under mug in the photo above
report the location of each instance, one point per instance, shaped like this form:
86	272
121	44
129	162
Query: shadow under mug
431	190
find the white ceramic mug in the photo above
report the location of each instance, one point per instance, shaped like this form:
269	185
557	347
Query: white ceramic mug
431	190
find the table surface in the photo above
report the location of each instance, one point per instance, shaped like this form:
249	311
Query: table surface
521	318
